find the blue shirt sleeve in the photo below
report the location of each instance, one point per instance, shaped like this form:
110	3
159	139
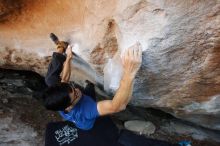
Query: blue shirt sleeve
83	114
90	108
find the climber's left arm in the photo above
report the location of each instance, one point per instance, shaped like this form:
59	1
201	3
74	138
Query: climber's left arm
67	65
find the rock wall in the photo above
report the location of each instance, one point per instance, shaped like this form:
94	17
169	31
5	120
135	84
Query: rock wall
180	73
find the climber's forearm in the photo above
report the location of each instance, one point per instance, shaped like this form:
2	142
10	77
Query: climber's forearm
123	94
120	100
66	70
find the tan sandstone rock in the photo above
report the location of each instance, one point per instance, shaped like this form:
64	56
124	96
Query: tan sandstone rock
180	73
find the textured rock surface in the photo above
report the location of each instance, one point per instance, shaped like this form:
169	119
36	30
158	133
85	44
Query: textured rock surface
21	120
180	73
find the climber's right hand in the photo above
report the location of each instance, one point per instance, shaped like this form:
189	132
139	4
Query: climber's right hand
131	59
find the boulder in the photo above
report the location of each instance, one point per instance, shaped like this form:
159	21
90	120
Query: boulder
180	73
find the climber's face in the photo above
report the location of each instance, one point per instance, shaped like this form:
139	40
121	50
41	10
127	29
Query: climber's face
75	96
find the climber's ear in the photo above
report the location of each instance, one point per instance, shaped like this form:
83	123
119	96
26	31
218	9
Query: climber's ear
54	38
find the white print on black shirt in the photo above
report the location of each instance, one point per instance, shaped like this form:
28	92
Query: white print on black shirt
66	135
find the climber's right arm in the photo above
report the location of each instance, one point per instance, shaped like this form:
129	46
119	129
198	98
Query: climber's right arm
131	63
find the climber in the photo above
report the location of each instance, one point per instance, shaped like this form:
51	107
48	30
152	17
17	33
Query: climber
71	103
77	105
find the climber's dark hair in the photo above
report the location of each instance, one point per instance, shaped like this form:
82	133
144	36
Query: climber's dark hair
57	97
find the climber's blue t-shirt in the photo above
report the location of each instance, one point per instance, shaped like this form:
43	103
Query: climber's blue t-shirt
83	114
